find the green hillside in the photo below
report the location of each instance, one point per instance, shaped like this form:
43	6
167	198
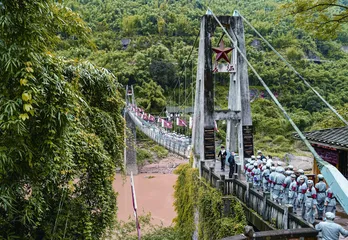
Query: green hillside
161	35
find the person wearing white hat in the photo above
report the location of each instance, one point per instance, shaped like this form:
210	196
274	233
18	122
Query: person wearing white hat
330	201
265	177
310	202
330	230
250	168
321	194
286	186
278	182
256	176
292	191
301	190
290	167
301	172
271	180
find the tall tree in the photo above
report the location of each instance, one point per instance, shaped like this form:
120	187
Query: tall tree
150	96
60	126
324	18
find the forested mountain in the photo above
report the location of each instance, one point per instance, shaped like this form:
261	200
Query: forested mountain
64	65
141	41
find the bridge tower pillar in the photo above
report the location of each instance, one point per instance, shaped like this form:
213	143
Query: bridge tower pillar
130	155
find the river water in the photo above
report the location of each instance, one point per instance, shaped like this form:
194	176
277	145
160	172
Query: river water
154	193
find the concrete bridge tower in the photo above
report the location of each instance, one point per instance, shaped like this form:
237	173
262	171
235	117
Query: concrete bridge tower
238	115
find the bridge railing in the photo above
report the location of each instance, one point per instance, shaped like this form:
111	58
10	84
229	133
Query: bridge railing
260	210
182	148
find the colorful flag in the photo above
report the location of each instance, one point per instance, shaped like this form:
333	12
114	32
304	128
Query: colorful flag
180	122
167	124
151	118
144	116
134	200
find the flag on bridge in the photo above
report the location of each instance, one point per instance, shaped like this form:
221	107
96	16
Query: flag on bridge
166	124
180	122
151	118
134	200
144	116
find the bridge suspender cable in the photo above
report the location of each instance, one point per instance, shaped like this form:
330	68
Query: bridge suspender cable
178	81
326	168
294	70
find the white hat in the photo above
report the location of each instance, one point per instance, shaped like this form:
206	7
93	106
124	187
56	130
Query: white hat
330	215
279	164
255	165
320	176
252	156
273	169
301	178
291	167
288	172
300	171
309	182
269	165
258	157
293	175
259	151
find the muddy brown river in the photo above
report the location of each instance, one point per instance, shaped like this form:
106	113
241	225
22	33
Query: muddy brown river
154	195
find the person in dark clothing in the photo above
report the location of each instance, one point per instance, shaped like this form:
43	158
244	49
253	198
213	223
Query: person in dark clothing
222	154
232	162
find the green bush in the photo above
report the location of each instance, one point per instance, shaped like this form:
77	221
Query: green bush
142	155
160	151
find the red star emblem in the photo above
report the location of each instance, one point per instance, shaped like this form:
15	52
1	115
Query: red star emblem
221	52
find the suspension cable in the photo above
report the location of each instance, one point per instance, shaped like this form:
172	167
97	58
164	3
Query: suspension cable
187	59
294	70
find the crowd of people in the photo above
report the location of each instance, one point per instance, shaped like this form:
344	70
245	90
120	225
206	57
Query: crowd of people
289	187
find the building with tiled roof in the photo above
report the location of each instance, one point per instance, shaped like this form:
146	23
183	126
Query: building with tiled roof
331	145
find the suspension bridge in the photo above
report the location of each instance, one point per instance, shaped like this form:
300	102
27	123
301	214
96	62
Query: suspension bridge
239	138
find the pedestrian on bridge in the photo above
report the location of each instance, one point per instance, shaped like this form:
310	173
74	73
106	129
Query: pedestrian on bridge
330	230
310	202
286	186
301	190
271	180
265	177
250	168
222	154
321	195
256	176
232	162
330	201
293	191
277	195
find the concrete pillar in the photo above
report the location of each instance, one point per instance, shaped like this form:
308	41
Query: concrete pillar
266	195
223	184
211	171
130	138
